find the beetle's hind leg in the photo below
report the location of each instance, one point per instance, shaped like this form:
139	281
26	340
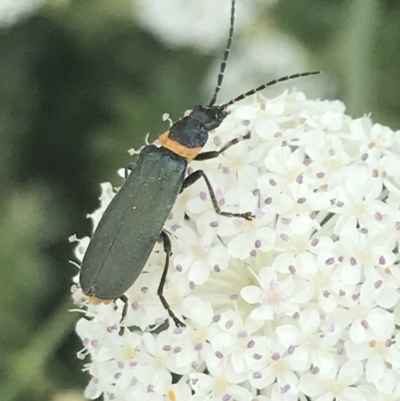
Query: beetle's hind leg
160	291
124	299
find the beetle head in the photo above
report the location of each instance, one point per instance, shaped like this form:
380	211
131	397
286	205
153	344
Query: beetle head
211	117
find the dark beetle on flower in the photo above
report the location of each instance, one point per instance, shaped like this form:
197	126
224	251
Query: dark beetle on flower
134	220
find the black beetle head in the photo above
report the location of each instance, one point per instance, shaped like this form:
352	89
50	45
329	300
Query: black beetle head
211	117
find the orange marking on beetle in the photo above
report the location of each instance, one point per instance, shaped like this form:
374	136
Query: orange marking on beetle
97	301
187	153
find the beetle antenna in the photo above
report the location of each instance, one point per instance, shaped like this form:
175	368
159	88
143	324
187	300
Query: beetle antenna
271	83
226	55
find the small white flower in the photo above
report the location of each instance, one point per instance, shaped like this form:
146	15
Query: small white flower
200	257
381	354
368	320
381	137
272	295
336	384
361	253
274	364
322	275
251	237
220	384
388	388
195	338
234	338
312	341
356	203
384	170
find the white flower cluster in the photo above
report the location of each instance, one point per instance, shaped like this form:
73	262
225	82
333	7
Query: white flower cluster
300	303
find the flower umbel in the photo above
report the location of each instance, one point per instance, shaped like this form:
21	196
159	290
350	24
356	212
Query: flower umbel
299	303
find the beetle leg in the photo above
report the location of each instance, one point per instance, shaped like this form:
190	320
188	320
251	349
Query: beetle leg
216	153
124	299
192	178
160	291
128	168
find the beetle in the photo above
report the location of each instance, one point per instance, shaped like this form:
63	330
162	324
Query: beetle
134	220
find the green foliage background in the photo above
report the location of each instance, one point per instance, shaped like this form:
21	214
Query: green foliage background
80	84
